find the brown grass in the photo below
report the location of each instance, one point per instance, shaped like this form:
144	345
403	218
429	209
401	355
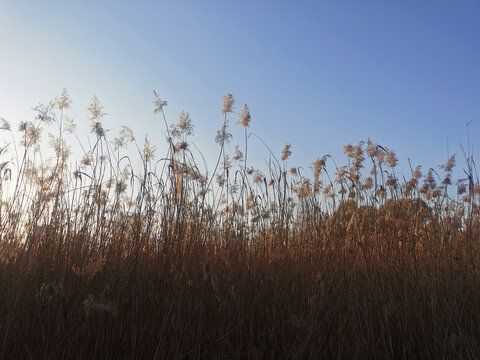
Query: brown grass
100	261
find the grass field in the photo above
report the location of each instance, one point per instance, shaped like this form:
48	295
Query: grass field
100	260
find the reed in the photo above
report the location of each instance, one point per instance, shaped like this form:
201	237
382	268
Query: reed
128	255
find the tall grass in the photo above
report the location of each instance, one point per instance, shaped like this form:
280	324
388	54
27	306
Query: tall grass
126	254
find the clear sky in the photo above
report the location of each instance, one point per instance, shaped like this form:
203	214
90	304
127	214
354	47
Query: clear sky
315	74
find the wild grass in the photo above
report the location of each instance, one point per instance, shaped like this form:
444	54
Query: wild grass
105	259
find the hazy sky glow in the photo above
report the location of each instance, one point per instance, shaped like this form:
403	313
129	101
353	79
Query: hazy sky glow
315	74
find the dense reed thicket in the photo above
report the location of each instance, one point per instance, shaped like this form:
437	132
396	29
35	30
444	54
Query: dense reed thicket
108	257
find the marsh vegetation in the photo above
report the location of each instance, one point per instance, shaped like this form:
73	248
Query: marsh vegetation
128	254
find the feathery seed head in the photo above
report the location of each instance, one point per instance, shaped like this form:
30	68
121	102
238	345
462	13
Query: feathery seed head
348	149
220	180
417	174
372	149
223	136
476	189
286	152
250	201
228	103
447	180
238	154
182	146
318	165
430	180
5	125
258	176
410	185
436	192
97	129
32	134
63	101
304	190
450	164
339	174
95	109
127	134
381	192
44	113
392	181
69	125
245	117
391	159
120	187
159	103
148	151
226	164
381	157
185	123
87	159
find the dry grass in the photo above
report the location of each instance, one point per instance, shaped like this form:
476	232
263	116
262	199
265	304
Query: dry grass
99	260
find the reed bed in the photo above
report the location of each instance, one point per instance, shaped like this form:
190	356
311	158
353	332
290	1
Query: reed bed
124	254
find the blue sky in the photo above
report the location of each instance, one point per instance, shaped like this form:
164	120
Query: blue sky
315	74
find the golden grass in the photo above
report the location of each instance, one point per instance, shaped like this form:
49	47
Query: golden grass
170	262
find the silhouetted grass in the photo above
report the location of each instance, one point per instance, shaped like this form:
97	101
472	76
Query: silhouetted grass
102	260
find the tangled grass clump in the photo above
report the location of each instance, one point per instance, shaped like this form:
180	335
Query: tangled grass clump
100	260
